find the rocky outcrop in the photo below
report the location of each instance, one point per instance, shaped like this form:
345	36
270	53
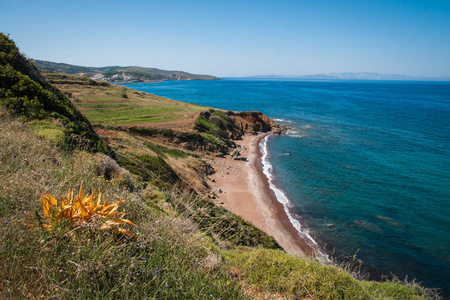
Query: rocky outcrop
216	131
255	121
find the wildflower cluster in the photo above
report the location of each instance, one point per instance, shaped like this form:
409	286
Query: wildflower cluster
102	179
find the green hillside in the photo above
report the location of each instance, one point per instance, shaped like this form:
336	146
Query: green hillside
25	92
115	73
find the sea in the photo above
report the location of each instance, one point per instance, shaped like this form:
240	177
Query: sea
364	170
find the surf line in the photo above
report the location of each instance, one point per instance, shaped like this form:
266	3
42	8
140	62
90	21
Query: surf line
287	205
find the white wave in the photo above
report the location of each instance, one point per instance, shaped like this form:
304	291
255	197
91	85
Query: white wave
283	121
283	199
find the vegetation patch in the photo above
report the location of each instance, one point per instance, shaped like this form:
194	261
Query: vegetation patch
162	150
205	126
221	224
48	129
25	92
275	272
225	123
130	115
113	105
151	169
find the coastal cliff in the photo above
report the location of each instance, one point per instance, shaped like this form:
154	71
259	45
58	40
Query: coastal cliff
235	124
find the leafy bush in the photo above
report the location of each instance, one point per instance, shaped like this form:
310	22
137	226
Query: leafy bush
83	210
143	131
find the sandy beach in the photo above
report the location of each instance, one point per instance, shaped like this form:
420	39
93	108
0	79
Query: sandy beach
243	188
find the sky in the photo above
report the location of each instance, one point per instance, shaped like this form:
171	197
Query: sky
237	37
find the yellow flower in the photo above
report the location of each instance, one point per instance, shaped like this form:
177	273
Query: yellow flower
82	210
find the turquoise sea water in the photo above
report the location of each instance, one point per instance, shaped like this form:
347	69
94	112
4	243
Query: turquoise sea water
369	171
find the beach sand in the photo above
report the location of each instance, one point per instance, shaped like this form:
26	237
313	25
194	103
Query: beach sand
243	189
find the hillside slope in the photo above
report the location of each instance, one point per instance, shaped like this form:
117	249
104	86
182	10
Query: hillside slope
25	91
109	104
120	74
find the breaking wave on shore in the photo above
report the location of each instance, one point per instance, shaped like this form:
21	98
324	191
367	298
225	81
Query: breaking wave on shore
287	205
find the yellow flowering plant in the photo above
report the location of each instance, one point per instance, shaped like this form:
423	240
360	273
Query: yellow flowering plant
82	210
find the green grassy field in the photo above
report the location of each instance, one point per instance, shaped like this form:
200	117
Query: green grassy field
108	104
130	115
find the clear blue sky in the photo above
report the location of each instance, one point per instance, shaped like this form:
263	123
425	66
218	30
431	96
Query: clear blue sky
242	37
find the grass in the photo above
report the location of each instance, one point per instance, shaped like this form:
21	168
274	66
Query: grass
162	151
48	129
117	105
272	272
130	115
109	104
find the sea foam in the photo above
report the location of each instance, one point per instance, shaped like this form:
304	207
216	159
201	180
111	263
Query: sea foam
283	199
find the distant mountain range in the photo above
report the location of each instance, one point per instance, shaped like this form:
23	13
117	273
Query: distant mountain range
120	74
356	76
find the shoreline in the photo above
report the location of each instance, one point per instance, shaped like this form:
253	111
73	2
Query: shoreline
243	188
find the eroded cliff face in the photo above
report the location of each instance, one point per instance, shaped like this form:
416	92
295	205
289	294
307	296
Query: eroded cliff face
252	122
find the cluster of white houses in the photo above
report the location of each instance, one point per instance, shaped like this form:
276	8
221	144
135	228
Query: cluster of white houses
115	77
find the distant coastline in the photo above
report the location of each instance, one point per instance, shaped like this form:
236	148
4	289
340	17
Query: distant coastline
359	76
118	74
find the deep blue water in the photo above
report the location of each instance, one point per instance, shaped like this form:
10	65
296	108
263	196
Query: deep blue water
370	158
